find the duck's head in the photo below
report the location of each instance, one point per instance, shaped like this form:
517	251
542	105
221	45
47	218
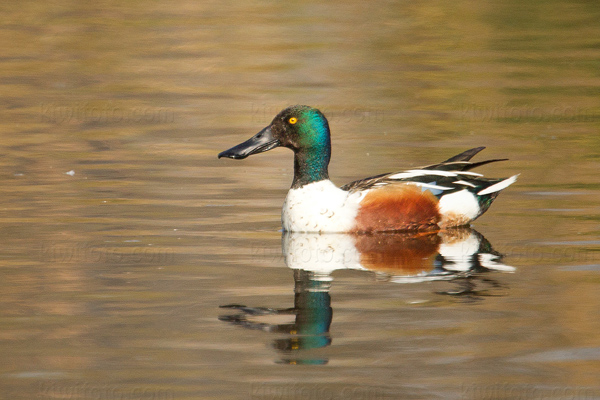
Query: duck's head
301	128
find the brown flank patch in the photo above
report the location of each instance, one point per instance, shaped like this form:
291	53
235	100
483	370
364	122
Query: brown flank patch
397	208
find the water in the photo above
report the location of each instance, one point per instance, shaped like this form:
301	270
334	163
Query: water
135	265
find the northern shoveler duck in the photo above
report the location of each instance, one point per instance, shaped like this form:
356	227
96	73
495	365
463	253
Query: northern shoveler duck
428	198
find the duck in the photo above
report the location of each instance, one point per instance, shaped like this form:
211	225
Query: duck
434	197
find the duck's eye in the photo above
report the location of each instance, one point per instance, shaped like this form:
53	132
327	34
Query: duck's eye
293	120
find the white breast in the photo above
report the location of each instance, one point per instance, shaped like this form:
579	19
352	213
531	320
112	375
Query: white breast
320	207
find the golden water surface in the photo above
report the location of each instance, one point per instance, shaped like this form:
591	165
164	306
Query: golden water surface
123	237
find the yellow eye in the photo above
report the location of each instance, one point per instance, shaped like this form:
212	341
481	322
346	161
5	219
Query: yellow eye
293	120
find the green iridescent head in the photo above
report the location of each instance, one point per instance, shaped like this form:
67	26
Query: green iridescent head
303	129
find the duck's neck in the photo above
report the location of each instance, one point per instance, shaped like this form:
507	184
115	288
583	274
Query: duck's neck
310	166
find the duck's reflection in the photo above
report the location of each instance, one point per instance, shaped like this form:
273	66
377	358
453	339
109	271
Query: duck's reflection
312	315
459	255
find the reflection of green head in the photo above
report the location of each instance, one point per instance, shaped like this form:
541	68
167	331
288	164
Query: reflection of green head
312	304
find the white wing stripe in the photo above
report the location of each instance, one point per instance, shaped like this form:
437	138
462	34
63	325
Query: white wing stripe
469	173
431	186
413	173
461	182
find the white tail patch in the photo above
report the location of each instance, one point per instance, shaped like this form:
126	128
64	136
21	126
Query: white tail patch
498	186
460	205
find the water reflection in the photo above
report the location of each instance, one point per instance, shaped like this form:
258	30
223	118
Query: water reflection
462	256
312	316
